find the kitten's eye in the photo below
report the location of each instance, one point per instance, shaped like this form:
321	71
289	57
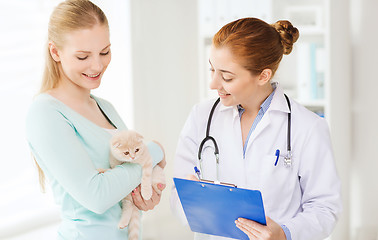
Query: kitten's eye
137	150
126	153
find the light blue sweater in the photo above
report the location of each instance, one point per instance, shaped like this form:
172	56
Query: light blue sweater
69	148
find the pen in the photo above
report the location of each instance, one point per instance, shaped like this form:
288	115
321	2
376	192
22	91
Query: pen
278	155
197	172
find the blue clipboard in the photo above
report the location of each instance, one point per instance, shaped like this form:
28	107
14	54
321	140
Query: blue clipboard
213	208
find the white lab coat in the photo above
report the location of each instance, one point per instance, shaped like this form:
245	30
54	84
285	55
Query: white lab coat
306	197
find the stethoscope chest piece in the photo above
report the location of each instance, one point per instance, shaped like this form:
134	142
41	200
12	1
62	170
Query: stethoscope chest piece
287	159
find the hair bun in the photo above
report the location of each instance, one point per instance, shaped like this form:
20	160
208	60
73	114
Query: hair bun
288	33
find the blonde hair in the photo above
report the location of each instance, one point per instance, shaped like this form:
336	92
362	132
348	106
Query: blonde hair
68	16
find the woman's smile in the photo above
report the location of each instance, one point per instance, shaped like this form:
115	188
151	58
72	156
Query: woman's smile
223	95
92	76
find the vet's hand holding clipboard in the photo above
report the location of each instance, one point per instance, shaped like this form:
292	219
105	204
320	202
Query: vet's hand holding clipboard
216	209
260	139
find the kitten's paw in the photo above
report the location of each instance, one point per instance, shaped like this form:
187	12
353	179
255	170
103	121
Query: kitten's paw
146	193
101	170
125	219
122	225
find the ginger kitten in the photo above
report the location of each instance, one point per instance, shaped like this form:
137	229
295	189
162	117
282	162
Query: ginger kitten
128	146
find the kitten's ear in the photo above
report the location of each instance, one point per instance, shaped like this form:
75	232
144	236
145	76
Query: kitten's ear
116	145
139	135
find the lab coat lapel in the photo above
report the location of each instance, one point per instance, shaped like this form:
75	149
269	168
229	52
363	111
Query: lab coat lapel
278	104
264	123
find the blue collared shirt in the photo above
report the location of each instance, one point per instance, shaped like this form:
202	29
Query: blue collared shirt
263	108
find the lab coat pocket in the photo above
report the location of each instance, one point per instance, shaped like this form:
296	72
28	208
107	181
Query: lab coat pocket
277	182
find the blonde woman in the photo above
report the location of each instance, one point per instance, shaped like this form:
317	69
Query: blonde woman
68	129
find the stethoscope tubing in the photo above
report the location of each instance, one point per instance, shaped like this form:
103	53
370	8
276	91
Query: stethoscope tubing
288	124
207	138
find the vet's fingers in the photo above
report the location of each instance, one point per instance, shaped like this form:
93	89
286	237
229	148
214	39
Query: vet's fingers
251	224
245	230
249	227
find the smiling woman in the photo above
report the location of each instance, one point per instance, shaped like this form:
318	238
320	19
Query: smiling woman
81	63
248	122
83	57
62	47
67	127
22	61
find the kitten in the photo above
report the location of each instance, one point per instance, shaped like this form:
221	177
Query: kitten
128	146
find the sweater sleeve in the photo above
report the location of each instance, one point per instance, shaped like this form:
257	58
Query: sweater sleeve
58	151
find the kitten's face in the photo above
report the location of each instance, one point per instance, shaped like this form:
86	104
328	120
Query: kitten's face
126	153
127	146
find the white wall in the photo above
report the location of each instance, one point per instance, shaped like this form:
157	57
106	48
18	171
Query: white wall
364	165
165	74
339	100
116	85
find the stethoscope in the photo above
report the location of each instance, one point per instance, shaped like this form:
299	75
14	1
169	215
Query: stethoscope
287	157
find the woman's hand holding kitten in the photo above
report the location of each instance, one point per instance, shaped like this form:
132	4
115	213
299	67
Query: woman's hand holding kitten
146	205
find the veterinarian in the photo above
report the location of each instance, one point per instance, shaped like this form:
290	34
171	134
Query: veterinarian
266	140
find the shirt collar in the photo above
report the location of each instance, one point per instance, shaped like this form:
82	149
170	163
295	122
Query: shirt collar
279	102
265	105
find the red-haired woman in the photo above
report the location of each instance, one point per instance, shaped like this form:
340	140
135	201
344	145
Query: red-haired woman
293	168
